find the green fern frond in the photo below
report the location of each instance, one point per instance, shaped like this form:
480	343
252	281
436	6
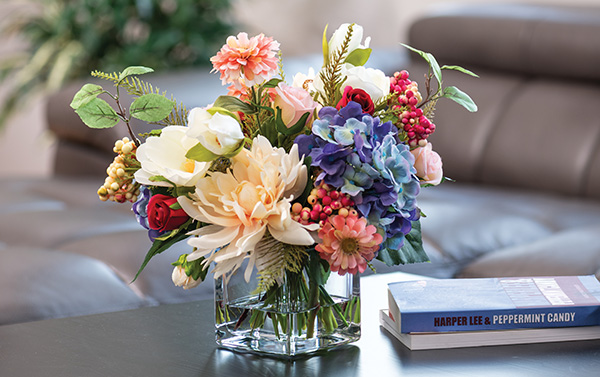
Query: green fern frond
280	65
114	77
274	258
137	87
429	109
178	117
331	75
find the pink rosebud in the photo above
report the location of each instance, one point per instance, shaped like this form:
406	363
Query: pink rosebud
428	164
294	102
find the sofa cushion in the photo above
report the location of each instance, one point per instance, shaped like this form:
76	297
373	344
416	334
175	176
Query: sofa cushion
555	41
467	222
41	283
125	251
572	252
537	124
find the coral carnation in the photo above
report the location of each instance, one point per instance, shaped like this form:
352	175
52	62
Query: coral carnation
348	243
246	61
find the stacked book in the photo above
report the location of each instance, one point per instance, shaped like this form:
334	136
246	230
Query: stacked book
452	313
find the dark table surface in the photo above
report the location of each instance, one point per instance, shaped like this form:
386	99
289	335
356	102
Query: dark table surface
178	340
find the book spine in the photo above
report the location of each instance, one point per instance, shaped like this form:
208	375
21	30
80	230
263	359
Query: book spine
498	320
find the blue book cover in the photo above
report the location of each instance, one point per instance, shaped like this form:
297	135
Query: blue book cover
442	305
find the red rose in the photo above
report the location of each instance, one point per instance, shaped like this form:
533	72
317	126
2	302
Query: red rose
359	96
161	217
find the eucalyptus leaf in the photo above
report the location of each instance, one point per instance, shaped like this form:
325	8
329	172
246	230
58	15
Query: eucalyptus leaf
151	107
87	93
134	71
97	113
359	57
234	104
460	97
199	153
459	69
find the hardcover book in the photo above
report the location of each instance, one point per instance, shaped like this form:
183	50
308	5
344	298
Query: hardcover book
444	305
459	339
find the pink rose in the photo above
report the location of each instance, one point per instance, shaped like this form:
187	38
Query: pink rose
428	164
294	102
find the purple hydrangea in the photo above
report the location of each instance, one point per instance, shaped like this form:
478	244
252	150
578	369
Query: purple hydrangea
361	156
140	209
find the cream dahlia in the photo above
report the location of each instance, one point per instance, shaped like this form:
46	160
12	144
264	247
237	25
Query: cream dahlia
348	243
243	203
246	61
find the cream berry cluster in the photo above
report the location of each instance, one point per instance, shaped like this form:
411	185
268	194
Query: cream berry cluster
119	186
324	202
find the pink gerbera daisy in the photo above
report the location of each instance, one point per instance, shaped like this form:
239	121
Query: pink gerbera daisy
348	243
246	61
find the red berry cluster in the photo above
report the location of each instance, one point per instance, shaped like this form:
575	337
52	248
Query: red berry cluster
324	201
413	121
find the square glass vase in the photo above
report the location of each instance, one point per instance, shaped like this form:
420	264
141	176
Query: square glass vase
294	317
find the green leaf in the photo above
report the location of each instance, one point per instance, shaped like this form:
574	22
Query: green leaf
151	107
134	70
460	97
268	129
411	252
435	68
358	57
175	206
97	113
87	93
318	272
271	83
296	128
195	269
160	245
237	150
234	104
199	153
160	178
460	69
430	59
216	109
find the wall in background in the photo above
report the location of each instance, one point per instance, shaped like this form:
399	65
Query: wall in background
298	24
26	149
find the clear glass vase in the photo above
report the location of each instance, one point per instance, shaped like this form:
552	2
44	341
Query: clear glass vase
295	317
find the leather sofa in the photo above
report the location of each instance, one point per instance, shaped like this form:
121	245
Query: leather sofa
526	166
